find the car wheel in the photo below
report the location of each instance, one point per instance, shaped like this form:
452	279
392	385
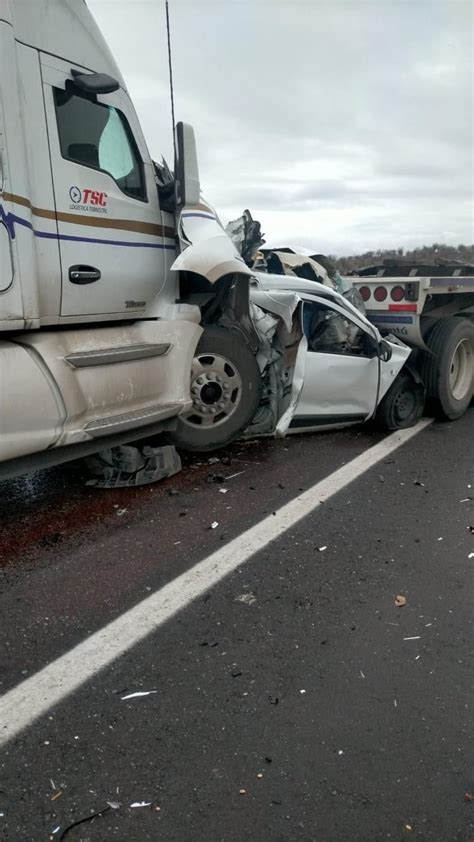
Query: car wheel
448	370
225	390
403	404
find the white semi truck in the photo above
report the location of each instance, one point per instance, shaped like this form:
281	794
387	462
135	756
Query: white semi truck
116	278
430	306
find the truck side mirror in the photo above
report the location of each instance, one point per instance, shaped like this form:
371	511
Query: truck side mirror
187	186
94	83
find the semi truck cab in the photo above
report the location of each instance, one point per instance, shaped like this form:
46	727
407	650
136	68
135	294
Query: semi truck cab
99	319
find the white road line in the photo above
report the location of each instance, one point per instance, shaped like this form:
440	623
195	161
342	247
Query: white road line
26	702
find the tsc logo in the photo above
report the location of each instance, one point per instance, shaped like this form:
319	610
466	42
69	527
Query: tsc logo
76	195
88	197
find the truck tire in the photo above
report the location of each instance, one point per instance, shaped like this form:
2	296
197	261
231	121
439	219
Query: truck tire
226	390
448	371
403	404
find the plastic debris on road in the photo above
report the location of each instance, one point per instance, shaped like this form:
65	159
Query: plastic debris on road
214	524
400	600
248	598
140	804
138	694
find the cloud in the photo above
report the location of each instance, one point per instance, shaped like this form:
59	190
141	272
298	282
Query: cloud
345	123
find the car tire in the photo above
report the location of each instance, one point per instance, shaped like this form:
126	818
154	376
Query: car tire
448	369
226	389
403	404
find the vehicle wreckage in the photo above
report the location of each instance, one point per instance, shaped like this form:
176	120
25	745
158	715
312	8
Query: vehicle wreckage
322	363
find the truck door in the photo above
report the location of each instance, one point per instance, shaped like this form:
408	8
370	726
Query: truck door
112	241
342	370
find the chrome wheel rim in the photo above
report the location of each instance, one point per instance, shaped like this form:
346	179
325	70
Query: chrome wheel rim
216	391
460	372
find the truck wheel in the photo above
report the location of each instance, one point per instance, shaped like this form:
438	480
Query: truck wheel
225	389
448	371
403	404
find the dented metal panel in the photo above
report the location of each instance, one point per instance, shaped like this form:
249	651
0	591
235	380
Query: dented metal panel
205	247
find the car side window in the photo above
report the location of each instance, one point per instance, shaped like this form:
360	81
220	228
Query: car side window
98	136
331	332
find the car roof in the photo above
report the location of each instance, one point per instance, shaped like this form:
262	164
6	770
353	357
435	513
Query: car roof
292	283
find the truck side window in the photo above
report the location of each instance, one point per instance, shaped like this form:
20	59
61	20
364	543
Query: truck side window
329	332
98	136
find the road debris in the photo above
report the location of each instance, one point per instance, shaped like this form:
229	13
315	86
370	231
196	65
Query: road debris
242	791
138	693
121	512
232	476
214	524
114	805
418	637
217	478
127	466
417	482
57	795
259	775
82	821
400	600
223	490
469	796
247	598
140	804
471	555
321	549
471	529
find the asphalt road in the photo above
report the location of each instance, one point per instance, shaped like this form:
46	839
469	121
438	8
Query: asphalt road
295	700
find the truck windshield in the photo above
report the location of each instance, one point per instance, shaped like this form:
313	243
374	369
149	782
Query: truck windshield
98	136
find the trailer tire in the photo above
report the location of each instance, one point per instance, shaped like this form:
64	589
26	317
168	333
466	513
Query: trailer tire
403	404
448	369
226	389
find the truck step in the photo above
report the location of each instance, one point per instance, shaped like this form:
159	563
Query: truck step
129	420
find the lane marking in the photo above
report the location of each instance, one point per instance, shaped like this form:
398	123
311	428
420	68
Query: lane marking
26	702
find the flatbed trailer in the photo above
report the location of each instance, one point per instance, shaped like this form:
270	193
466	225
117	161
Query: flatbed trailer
430	306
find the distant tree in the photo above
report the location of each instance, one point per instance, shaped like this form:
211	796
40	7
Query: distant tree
437	251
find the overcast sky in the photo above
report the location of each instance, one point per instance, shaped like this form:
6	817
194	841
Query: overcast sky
343	125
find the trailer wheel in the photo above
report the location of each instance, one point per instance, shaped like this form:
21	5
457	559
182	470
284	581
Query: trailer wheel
225	390
403	404
448	371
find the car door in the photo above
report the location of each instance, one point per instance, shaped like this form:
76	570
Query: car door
112	241
342	367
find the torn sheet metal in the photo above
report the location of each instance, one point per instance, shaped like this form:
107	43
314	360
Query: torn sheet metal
206	249
297	264
283	354
247	237
298	261
125	466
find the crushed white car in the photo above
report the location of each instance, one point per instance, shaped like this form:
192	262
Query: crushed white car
333	368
